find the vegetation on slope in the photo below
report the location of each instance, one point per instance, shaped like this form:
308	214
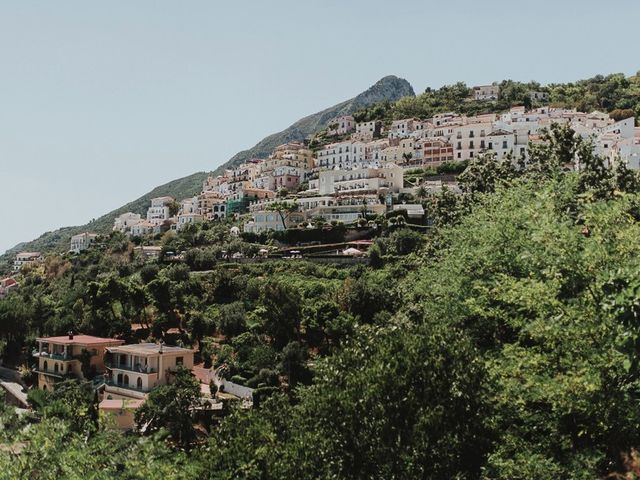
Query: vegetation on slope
615	93
504	348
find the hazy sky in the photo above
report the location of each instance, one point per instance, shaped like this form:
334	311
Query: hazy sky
102	101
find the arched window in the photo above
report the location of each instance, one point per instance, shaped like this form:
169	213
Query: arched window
119	379
139	383
126	380
55	368
45	366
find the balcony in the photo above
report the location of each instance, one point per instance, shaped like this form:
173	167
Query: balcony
135	368
55	356
122	389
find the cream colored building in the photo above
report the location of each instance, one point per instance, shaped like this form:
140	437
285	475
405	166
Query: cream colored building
134	370
61	357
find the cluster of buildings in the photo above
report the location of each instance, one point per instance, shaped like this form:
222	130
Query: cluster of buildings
361	172
123	374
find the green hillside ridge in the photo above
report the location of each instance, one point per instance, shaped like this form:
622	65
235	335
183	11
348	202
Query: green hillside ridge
387	89
501	344
390	98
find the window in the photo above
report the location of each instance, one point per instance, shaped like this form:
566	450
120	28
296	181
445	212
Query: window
126	380
179	361
45	366
139	383
471	144
504	144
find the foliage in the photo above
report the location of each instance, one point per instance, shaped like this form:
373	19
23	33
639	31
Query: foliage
170	406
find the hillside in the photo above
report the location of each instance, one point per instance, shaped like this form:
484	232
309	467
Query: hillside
499	344
389	88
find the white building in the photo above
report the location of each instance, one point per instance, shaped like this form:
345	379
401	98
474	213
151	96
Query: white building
185	219
388	178
159	210
403	128
124	222
82	241
142	228
340	154
26	258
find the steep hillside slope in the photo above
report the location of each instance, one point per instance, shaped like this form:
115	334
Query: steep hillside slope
390	88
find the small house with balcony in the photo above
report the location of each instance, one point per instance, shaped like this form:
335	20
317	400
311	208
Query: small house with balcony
134	370
75	356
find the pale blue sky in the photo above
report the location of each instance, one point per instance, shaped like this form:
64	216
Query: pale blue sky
102	101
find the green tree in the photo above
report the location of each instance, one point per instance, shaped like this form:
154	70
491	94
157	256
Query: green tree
171	407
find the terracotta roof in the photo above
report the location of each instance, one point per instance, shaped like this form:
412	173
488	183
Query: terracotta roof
81	340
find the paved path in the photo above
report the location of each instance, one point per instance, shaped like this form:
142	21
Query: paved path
14	391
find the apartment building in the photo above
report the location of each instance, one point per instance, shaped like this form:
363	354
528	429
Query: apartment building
159	211
26	258
380	180
75	356
82	241
367	130
134	370
338	155
341	125
124	222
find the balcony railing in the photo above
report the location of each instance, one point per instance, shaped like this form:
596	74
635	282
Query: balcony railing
135	368
51	373
136	392
55	356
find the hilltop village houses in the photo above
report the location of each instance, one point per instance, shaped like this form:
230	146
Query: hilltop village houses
358	168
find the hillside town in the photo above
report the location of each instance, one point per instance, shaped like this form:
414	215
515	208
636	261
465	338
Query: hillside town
353	170
357	169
